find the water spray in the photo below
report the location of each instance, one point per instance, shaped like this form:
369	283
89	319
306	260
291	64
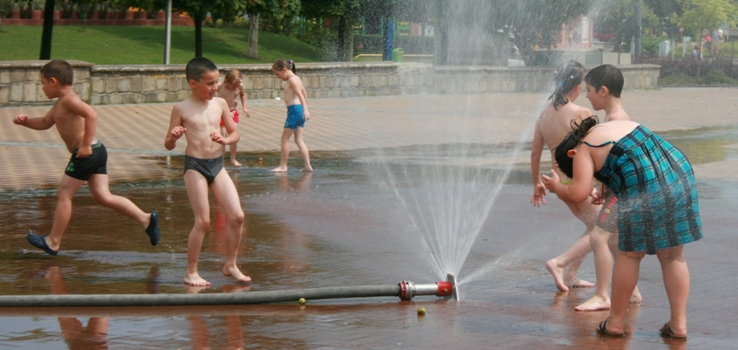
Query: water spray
406	290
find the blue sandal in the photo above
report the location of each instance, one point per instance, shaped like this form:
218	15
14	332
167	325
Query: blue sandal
153	229
39	241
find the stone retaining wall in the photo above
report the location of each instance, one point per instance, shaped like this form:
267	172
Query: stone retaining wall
121	84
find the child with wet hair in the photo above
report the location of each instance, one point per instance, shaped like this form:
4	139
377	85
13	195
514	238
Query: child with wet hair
295	98
659	209
231	90
551	127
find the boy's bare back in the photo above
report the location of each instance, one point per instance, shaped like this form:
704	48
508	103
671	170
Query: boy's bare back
200	120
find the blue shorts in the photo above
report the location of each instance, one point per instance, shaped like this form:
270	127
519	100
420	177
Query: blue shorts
295	117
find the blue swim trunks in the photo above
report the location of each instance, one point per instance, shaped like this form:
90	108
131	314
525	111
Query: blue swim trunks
294	117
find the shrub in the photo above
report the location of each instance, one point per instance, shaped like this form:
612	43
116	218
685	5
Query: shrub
709	71
716	76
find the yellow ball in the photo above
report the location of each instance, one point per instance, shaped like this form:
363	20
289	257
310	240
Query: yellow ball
421	311
302	301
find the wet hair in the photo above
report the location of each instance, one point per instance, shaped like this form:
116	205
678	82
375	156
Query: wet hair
59	69
568	76
571	141
608	76
284	63
233	76
198	66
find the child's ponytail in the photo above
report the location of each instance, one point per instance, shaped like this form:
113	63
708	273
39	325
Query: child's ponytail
567	76
284	63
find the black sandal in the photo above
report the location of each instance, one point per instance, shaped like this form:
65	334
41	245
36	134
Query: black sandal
602	329
668	333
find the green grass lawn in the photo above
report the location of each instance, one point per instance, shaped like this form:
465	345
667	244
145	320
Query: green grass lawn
145	45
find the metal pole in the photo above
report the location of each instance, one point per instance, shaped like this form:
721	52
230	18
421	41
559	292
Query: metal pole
639	29
168	30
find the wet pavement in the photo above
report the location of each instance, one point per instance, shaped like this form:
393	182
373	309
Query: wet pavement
339	227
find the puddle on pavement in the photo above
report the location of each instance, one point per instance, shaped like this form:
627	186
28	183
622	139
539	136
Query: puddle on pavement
302	230
706	145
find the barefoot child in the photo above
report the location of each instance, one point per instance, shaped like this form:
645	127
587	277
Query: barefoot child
550	129
659	209
295	97
76	122
604	86
232	91
198	118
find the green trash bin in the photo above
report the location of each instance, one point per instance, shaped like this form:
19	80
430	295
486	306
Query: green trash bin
397	54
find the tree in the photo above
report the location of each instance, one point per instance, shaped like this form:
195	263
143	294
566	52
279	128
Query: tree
346	14
257	9
463	26
705	16
6	8
619	16
198	10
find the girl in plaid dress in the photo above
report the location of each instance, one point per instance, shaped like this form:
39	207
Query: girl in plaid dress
659	210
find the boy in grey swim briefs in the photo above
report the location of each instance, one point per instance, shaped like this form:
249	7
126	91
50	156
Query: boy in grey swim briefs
198	118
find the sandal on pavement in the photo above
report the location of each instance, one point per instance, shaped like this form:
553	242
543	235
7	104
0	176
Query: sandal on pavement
668	333
602	329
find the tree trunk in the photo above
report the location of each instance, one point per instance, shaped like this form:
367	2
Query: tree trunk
350	44
253	50
198	34
341	50
47	31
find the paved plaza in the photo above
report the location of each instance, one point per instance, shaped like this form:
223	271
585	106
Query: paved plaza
134	134
330	228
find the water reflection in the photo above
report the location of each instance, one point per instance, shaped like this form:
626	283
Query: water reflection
76	335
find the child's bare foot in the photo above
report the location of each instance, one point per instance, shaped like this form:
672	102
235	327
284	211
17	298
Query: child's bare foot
558	274
233	271
236	163
594	304
580	283
636	297
279	169
195	280
307	169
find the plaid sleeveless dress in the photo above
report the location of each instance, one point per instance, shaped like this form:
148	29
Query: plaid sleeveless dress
657	196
